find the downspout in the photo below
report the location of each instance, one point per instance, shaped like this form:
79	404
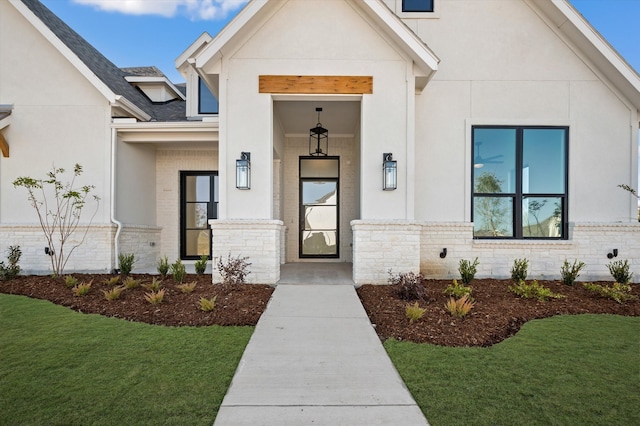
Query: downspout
116	243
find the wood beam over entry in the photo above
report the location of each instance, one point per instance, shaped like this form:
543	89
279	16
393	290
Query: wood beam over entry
4	146
316	84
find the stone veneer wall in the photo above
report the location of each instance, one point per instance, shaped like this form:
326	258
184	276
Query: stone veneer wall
259	240
143	241
416	246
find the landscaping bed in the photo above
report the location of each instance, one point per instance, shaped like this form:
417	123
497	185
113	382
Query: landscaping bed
497	314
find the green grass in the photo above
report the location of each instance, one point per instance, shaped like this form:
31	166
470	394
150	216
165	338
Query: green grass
61	367
565	370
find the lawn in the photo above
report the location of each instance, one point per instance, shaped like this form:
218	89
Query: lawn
61	367
568	370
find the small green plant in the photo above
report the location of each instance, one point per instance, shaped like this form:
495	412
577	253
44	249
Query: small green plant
112	281
82	289
619	292
534	290
467	270
131	283
126	261
570	272
154	285
234	270
154	297
187	288
113	293
201	264
207	305
459	307
178	271
414	312
458	290
163	267
409	286
12	269
70	281
519	270
619	270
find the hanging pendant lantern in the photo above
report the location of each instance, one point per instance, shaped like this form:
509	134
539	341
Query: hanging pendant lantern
318	139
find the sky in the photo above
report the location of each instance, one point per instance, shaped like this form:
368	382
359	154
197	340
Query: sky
134	33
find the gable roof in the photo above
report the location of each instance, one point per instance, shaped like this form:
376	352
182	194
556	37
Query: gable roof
102	73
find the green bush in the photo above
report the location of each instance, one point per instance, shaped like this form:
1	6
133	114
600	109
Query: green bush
616	291
178	271
619	270
519	270
12	269
70	281
458	290
201	264
163	266
571	272
534	291
414	312
126	261
207	305
409	286
131	283
467	270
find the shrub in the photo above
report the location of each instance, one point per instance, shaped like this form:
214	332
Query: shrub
459	307
467	270
533	291
131	283
126	261
414	312
113	293
207	305
458	290
619	270
82	289
70	281
187	288
519	270
12	269
154	297
163	266
154	285
178	271
201	264
234	270
571	272
617	291
112	281
409	286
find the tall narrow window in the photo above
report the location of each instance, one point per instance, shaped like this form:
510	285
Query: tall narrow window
207	103
198	204
417	5
520	182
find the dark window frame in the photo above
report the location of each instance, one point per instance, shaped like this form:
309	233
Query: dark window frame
428	7
518	196
212	209
201	111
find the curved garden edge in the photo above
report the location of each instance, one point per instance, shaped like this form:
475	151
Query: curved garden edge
497	314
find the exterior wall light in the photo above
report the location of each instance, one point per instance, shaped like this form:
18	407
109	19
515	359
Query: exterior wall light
318	139
243	171
389	172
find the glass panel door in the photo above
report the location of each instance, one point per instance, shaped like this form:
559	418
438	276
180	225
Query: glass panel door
198	204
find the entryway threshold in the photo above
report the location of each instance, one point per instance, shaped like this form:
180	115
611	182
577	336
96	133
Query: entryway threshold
314	358
320	273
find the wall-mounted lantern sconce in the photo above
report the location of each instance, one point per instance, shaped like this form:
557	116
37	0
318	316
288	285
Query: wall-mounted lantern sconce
389	172
318	139
612	255
443	253
243	171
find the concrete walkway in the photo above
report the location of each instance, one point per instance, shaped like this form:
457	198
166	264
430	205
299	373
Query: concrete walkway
314	358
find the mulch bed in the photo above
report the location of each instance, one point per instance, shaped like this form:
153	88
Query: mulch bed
497	314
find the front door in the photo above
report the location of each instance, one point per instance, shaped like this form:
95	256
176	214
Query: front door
319	207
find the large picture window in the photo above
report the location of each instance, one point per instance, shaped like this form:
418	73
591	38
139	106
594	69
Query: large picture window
207	103
519	182
198	204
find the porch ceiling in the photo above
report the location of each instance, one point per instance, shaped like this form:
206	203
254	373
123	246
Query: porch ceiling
297	117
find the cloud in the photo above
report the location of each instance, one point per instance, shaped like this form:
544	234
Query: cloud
194	9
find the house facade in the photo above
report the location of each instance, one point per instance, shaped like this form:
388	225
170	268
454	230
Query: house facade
454	130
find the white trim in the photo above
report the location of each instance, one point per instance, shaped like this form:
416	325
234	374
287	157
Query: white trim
5	122
148	79
418	15
124	103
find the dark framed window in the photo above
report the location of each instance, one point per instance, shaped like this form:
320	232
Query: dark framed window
198	204
417	5
520	180
207	103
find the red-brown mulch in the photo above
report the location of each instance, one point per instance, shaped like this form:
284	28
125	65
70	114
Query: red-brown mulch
497	313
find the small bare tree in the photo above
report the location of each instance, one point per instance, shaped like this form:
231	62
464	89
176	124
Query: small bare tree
632	192
59	206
